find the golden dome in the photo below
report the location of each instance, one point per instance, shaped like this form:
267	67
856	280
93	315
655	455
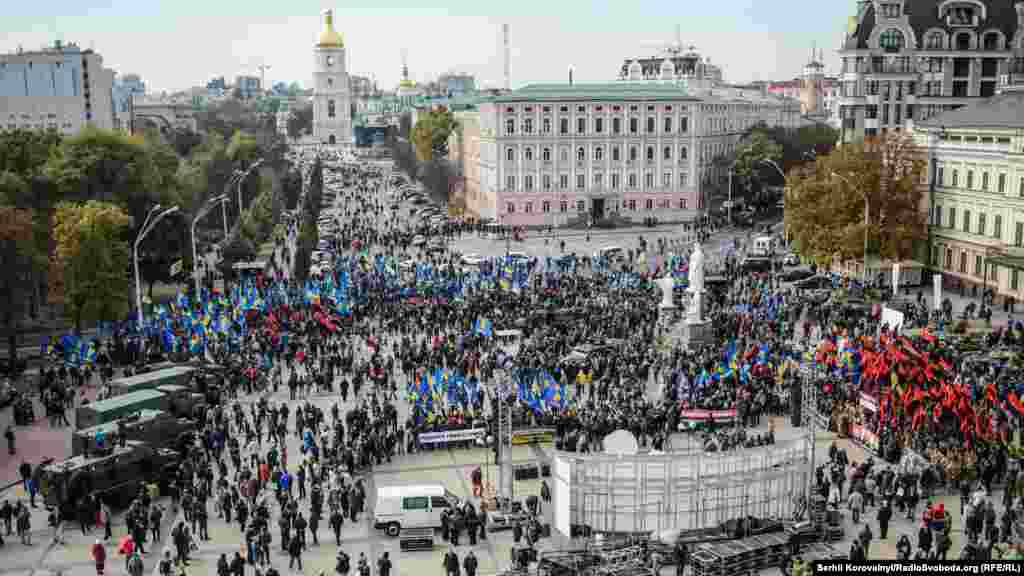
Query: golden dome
329	38
407	83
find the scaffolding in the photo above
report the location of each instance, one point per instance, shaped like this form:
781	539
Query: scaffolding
686	490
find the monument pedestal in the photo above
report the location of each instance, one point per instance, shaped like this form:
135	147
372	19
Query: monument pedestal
698	333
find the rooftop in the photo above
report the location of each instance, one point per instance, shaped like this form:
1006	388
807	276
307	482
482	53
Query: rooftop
1005	111
622	90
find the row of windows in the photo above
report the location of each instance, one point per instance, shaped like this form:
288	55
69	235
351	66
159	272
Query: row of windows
615	181
598	153
39	126
893	40
979	266
581	206
982	184
669	125
966	222
599	108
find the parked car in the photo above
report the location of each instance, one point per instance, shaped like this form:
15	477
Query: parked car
797	274
791	259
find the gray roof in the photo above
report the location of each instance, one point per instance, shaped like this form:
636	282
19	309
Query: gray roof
924	15
1002	111
610	91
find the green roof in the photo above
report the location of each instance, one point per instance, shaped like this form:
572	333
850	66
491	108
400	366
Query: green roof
618	91
160	374
124	400
112	426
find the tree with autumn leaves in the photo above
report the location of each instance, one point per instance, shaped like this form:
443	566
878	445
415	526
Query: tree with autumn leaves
90	261
825	202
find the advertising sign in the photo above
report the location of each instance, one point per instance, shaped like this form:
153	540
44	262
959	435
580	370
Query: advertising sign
533	436
446	436
703	415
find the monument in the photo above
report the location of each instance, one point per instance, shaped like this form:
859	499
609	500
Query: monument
698	330
667	284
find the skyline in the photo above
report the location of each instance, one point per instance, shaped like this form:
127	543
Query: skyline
176	46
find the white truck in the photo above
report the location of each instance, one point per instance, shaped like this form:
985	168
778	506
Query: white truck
415	506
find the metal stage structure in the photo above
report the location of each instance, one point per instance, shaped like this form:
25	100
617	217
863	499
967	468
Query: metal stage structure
679	490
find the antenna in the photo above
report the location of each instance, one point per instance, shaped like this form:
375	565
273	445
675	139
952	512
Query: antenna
679	37
508	72
814	50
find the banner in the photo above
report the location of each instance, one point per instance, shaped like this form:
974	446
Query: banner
937	289
533	436
702	415
471	434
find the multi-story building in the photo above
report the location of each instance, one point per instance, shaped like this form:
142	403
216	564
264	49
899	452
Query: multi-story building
60	88
910	60
248	86
464	152
454	84
976	169
164	112
550	153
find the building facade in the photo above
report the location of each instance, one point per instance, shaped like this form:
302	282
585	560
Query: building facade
464	151
248	87
976	167
60	88
553	153
332	107
179	115
905	61
455	85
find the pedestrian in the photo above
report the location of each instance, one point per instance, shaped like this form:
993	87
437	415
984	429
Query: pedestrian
9	435
884	514
99	556
451	563
384	565
470	563
295	552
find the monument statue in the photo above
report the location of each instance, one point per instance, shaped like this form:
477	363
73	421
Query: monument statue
667	284
696	273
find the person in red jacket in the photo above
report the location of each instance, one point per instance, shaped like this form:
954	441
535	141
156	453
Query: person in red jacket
99	554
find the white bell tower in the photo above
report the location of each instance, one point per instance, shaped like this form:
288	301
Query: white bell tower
332	110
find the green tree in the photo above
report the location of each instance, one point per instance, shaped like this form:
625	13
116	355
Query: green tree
431	132
751	155
90	260
242	147
825	202
300	121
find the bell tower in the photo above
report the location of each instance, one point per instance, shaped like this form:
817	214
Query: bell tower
332	110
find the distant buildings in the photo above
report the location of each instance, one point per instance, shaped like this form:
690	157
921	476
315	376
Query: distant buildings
178	114
817	92
61	88
454	84
248	87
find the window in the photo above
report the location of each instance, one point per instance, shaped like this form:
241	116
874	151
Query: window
546	179
997	227
1021	189
667	153
581	206
616	154
510	127
546	126
982	223
510	154
528	183
650	153
581	125
666	180
952	217
510	208
633	153
963	41
563	182
546	206
1001	184
615	181
563	126
580	109
599	125
631	180
510	183
963	261
650	124
649	204
1014	280
938	216
891	10
682	203
891	40
956	178
668	124
528	153
682	152
598	180
1018	235
977	265
949	258
616	125
528	208
415	503
683	180
649	180
939	173
581	181
936	40
545	154
991	42
599	153
564	155
581	154
563	206
967	221
330	109
683	125
528	126
970	179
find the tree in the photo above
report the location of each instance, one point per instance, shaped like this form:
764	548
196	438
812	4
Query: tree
431	132
238	249
90	261
751	155
300	121
825	213
17	259
242	147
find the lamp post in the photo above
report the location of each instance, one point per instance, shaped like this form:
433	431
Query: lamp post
152	219
222	199
241	180
866	221
224	206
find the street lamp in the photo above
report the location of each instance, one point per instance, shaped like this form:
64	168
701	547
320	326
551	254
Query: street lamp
147	226
224	206
222	199
241	180
866	221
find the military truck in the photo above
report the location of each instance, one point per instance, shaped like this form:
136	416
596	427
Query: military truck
157	428
113	476
179	375
184	403
104	411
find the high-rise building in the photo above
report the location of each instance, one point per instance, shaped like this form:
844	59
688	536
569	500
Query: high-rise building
910	60
248	86
332	107
61	88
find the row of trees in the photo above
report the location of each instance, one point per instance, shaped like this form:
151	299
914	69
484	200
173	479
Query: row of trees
421	150
786	147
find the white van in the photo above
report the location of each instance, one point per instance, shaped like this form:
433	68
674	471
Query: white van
417	506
